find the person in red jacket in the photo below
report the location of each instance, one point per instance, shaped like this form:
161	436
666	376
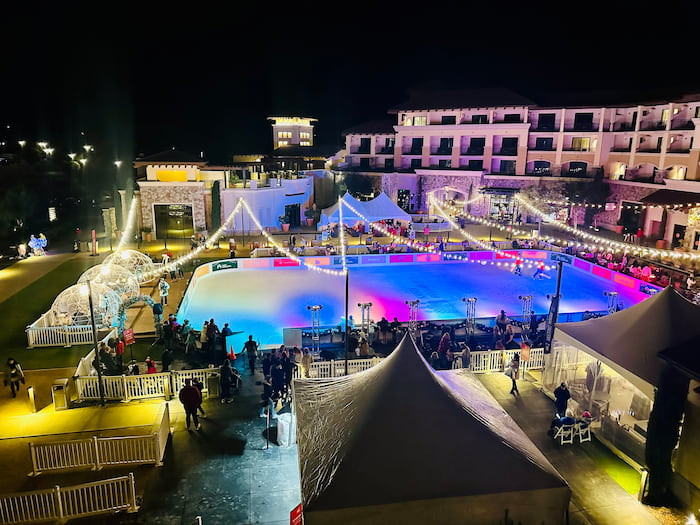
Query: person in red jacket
191	398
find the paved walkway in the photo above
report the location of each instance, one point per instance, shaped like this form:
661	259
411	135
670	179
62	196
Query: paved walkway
596	497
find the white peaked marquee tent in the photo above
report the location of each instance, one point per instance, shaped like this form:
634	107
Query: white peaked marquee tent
378	209
629	341
400	443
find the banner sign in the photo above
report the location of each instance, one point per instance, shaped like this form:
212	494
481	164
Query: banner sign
551	321
295	516
129	338
224	265
568	259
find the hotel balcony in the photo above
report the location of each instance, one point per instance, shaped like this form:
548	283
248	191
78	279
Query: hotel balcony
682	124
507	152
545	128
582	127
652	126
386	151
677	151
472	151
359	151
620	149
623	126
502	121
649	150
580	150
412	151
441	151
542	148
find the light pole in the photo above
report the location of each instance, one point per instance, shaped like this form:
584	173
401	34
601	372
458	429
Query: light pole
100	386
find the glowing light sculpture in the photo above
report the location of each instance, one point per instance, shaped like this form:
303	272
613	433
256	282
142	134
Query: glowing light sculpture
114	276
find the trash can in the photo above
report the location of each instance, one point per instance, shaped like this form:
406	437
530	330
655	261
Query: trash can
59	392
213	388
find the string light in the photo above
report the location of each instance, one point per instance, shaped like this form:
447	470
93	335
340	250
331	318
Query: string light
483	221
284	250
627	207
606	242
343	250
130	223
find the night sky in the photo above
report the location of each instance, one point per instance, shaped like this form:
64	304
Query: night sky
140	78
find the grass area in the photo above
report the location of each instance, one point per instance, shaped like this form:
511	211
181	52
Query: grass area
625	476
26	306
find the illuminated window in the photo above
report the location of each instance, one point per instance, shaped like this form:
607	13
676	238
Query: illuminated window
283	142
420	121
581	144
305	143
408	121
284	134
305	135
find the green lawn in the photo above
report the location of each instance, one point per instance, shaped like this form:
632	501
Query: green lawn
26	306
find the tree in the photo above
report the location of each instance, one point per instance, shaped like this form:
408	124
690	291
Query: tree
216	205
584	192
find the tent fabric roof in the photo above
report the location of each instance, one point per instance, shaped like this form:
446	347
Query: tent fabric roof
379	208
388	434
671	197
685	357
630	340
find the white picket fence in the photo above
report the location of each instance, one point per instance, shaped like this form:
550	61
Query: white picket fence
84	367
63	503
128	388
324	369
496	360
96	453
41	333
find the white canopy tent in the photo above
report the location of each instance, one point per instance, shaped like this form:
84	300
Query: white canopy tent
378	209
629	341
400	442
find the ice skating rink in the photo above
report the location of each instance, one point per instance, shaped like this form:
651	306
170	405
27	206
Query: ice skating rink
262	302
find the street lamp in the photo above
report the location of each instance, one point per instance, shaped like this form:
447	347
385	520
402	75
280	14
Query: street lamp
118	163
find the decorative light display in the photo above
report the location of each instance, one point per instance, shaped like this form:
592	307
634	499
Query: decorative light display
457	211
130	224
611	245
627	207
136	262
115	277
72	306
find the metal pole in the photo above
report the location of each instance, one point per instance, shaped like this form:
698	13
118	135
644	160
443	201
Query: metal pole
347	339
94	341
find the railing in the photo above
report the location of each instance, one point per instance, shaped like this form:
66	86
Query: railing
124	388
496	360
96	453
84	367
127	388
64	503
325	369
41	333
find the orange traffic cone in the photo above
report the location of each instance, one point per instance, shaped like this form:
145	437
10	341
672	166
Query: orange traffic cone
232	354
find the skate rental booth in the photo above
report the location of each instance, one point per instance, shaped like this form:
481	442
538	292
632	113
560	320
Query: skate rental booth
378	447
612	366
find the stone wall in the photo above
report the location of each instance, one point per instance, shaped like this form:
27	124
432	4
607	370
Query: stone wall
193	194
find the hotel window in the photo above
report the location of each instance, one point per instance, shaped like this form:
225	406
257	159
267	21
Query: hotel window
304	135
420	121
448	119
697	112
415	163
389	163
480	119
475	165
581	144
444	163
283	143
512	117
284	134
305	143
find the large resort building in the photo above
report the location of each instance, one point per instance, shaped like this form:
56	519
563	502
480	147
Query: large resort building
496	141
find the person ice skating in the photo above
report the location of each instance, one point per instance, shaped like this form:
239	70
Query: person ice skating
14	375
251	350
562	396
539	272
518	268
191	399
163	288
514	373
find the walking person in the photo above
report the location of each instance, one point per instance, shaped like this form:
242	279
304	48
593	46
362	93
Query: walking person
514	373
166	359
562	396
251	349
306	360
227	380
197	383
191	398
14	375
163	288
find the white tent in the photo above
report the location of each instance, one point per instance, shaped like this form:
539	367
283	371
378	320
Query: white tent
629	341
399	443
382	208
378	209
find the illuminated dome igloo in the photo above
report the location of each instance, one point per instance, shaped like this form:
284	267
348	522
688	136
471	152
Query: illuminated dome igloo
136	262
116	277
72	306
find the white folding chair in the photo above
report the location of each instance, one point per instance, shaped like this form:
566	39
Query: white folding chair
584	432
565	434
